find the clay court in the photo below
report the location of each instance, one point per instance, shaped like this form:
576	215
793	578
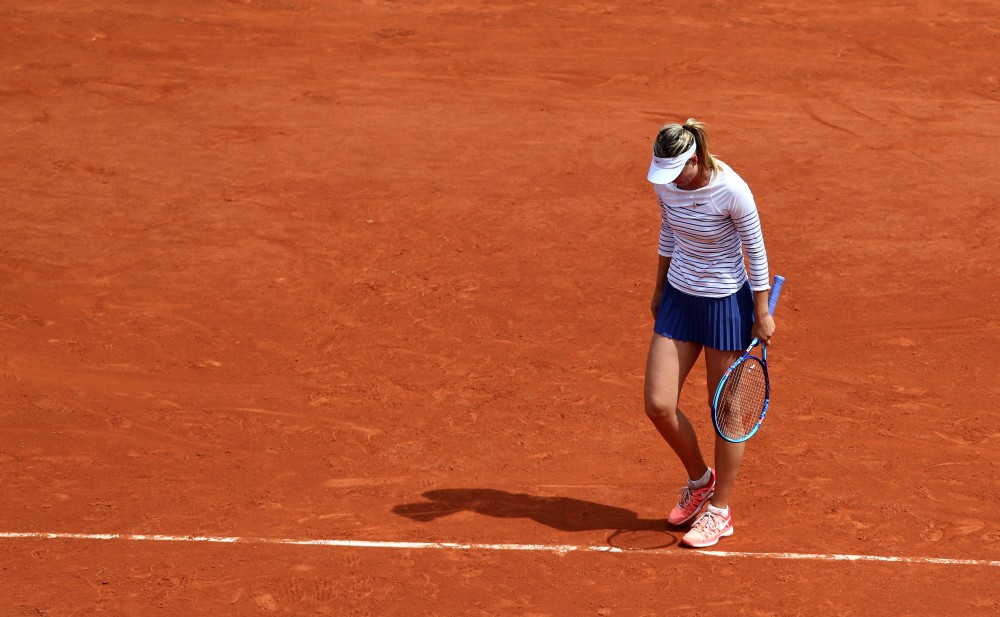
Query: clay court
375	275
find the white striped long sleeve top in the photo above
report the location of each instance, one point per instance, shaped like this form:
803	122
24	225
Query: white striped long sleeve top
705	232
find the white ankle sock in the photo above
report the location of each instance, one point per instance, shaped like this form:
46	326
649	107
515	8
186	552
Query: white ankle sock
719	511
703	481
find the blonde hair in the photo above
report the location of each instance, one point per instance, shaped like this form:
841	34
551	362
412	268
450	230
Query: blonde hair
673	139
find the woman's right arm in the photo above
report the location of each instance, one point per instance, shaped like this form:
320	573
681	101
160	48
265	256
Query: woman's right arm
663	265
665	249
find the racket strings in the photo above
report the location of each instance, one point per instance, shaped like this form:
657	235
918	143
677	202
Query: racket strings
742	400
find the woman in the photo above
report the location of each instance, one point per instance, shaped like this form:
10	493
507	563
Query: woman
703	299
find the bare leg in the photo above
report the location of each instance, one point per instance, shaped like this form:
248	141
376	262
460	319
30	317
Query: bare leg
727	455
667	366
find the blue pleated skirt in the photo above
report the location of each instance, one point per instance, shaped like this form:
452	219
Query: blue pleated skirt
719	323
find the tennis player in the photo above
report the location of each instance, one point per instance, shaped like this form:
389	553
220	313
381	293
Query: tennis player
704	299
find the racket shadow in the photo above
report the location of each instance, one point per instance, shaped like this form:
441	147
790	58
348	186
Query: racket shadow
561	513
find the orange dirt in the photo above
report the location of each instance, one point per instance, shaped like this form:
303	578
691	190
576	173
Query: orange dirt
380	270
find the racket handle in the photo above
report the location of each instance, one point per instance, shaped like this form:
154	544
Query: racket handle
772	299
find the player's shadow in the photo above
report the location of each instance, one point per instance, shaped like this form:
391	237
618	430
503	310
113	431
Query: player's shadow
562	513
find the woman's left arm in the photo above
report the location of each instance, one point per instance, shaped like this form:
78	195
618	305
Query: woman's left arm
763	323
747	223
748	226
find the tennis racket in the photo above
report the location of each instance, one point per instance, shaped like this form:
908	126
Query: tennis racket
741	399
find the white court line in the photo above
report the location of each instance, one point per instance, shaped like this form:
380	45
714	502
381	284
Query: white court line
541	548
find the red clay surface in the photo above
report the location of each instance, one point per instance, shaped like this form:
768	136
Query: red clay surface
380	270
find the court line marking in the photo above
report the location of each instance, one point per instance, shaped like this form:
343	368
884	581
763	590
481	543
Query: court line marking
461	546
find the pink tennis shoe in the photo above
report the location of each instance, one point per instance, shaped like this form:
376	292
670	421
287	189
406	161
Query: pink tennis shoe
709	528
692	499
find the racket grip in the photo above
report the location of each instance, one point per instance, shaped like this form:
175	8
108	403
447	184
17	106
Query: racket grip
772	299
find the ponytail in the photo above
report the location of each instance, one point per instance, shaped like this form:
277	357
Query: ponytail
705	159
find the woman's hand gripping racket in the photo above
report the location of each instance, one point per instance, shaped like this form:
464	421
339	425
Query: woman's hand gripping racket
740	402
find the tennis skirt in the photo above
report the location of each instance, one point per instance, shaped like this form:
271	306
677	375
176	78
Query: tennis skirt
719	323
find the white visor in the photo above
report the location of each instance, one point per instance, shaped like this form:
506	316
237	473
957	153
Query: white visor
666	170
